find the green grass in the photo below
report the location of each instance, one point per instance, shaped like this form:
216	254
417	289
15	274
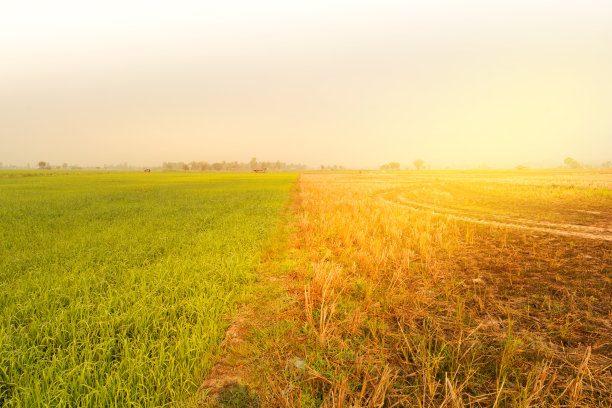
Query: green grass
115	288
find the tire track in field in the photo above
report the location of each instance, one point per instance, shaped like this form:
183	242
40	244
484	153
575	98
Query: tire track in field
571	230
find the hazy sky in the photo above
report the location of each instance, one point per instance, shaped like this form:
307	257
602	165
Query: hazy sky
358	83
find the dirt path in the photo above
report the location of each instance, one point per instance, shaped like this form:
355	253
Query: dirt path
571	230
229	370
234	380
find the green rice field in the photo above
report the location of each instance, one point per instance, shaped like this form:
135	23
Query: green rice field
116	288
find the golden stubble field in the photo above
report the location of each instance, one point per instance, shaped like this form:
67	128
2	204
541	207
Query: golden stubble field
443	289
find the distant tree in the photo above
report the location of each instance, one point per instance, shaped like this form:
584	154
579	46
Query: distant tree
418	163
217	166
394	166
571	163
42	164
521	167
185	167
65	166
253	163
605	165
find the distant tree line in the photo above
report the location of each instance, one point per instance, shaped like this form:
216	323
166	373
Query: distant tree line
334	167
418	164
233	166
572	163
395	166
43	165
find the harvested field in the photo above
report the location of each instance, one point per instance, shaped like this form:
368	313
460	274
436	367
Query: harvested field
444	289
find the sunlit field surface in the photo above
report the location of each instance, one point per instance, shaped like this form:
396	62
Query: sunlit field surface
432	289
115	288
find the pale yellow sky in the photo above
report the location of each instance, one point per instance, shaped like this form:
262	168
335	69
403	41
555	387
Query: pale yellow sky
358	83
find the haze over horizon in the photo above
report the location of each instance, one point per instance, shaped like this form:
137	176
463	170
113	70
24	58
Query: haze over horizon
324	82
